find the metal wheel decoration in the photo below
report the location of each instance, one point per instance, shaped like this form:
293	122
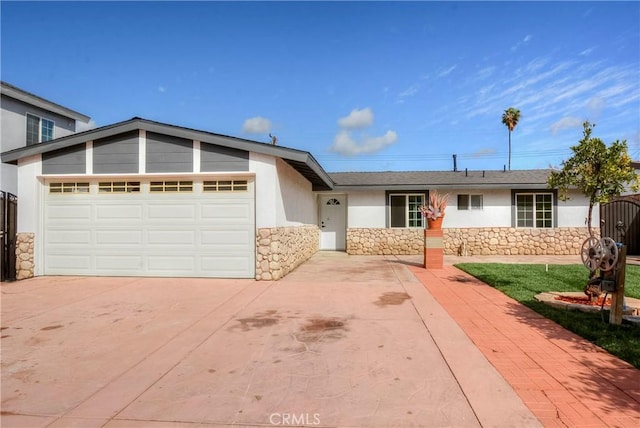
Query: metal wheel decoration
591	253
599	254
609	254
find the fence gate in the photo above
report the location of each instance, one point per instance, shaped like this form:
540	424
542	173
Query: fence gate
626	213
8	228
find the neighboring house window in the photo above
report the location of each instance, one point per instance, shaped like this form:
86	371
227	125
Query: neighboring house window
469	202
534	210
404	210
38	129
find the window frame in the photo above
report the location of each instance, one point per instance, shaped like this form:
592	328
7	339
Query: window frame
469	205
41	122
534	193
407	219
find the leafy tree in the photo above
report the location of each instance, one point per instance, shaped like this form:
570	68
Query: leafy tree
510	119
598	171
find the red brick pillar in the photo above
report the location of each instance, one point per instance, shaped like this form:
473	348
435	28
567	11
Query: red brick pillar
433	249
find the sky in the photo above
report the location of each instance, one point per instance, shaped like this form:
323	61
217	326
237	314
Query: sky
362	86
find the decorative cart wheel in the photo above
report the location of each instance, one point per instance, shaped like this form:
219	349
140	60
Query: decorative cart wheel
591	253
609	254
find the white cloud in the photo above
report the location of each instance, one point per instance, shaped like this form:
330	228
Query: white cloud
344	143
256	125
409	92
566	123
357	119
448	71
162	88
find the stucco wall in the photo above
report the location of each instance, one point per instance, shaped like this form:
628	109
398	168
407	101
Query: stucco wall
469	241
367	209
297	202
280	250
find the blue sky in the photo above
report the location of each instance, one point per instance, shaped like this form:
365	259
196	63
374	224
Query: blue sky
363	86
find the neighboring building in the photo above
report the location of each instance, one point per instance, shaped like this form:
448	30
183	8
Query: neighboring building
151	199
28	119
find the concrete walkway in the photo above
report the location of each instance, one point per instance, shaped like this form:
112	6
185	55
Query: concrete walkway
343	341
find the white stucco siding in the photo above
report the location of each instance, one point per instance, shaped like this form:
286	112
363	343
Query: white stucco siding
495	212
573	212
14	123
295	202
264	167
29	188
366	209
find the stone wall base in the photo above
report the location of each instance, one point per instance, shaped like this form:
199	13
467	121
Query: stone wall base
280	250
470	241
24	255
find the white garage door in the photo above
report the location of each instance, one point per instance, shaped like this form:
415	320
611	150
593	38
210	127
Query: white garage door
173	228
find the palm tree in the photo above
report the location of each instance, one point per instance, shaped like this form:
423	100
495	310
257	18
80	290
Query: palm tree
510	119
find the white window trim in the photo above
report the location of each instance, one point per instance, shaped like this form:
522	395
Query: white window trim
534	194
406	218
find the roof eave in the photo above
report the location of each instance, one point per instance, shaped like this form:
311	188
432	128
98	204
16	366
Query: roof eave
26	97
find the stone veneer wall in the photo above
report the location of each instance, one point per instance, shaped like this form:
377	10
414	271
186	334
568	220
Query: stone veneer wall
280	250
470	241
24	255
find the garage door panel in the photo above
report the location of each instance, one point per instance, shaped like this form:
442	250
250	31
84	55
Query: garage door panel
236	238
171	237
119	237
69	212
119	212
195	234
175	263
173	212
232	212
118	264
63	263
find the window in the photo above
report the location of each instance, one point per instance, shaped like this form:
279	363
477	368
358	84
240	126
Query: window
404	210
469	202
68	187
171	186
534	210
225	186
38	129
118	186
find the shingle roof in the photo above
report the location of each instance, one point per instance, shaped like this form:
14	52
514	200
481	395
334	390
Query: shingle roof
435	179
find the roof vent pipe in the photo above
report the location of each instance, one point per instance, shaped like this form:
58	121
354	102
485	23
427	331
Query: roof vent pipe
483	173
466	173
455	163
505	168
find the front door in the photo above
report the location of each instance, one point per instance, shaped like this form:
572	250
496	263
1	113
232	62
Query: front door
333	222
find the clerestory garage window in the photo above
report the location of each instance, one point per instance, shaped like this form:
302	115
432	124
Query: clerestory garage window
118	186
225	186
68	187
171	186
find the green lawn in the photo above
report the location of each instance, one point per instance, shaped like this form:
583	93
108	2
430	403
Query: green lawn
525	281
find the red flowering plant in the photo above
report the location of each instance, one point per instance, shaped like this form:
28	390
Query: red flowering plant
437	204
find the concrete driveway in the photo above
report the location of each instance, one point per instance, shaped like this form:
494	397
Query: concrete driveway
348	341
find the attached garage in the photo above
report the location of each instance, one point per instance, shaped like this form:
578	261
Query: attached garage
176	227
143	198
